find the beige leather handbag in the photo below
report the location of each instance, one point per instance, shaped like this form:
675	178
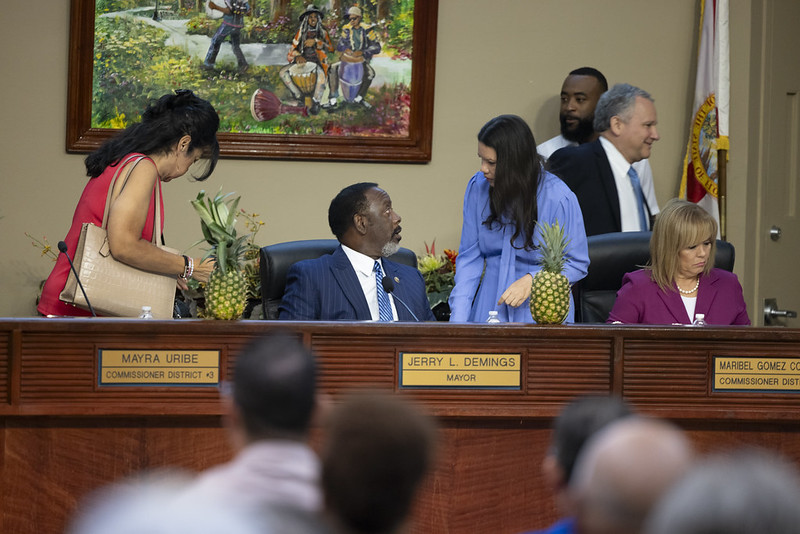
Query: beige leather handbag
114	288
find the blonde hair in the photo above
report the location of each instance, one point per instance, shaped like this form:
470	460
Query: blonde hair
680	224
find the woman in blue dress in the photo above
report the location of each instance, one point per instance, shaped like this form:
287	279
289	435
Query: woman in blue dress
499	251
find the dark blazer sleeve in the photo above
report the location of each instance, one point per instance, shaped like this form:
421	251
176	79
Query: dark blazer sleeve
585	169
300	300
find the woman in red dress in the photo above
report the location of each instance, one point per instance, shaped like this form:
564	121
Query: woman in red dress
175	132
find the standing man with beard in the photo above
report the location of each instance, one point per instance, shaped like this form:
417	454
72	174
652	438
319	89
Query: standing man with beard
603	174
579	95
346	285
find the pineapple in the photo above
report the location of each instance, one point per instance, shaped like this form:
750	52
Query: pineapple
550	288
226	291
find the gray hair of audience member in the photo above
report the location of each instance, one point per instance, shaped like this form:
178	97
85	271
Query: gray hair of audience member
578	421
624	470
745	492
146	504
274	387
377	450
618	101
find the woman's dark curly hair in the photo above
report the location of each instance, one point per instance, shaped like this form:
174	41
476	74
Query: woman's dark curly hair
163	123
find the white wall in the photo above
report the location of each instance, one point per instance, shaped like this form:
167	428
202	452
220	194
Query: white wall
493	57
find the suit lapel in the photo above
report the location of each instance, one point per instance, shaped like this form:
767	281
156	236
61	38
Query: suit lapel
345	276
608	183
706	293
400	290
672	300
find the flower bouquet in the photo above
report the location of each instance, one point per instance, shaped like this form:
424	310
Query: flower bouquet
439	275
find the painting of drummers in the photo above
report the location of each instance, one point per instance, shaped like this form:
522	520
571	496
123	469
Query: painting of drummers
334	68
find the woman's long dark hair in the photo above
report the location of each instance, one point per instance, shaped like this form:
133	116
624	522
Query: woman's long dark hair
517	175
163	124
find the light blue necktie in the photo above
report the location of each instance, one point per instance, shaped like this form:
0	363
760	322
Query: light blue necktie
384	306
637	191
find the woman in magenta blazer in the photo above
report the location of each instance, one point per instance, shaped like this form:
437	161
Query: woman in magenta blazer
680	281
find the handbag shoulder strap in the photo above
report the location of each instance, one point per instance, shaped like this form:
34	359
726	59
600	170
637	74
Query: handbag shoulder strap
157	207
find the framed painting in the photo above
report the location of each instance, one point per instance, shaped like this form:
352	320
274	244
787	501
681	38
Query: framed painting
339	80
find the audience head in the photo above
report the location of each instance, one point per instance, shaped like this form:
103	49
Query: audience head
362	218
626	116
579	95
180	117
580	419
512	167
147	504
623	471
377	450
679	226
274	388
746	492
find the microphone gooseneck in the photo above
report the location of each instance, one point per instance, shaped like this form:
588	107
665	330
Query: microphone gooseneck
62	247
388	286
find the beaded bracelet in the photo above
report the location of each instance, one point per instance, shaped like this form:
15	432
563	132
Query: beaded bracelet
188	267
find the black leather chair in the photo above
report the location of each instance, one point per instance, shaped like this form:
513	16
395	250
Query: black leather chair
276	260
613	255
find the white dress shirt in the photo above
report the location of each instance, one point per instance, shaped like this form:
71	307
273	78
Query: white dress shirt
628	203
364	265
689	303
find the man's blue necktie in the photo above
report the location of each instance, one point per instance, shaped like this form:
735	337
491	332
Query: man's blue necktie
637	191
384	306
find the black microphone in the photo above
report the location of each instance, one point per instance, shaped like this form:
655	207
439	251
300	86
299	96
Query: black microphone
388	286
63	248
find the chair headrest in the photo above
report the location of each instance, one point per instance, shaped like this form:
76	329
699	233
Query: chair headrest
613	255
276	260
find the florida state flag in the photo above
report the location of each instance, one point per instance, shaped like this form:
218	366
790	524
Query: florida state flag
709	126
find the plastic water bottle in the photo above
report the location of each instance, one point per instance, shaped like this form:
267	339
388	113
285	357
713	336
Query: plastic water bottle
146	313
699	320
493	318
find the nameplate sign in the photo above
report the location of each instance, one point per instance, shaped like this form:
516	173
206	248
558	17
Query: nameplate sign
738	373
472	371
157	367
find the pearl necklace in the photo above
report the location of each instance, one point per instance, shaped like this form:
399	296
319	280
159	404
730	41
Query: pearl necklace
689	291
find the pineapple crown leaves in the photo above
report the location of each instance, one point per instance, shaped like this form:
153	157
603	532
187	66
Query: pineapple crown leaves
218	218
553	244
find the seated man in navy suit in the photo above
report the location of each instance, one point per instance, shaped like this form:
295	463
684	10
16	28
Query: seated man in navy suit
347	285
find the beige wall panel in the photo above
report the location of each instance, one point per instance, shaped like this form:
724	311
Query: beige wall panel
493	57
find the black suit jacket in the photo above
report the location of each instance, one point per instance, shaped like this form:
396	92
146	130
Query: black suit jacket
586	171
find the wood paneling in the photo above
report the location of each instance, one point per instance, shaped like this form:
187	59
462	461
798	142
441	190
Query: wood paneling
62	435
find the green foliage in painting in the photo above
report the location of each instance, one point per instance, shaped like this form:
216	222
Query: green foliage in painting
133	66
